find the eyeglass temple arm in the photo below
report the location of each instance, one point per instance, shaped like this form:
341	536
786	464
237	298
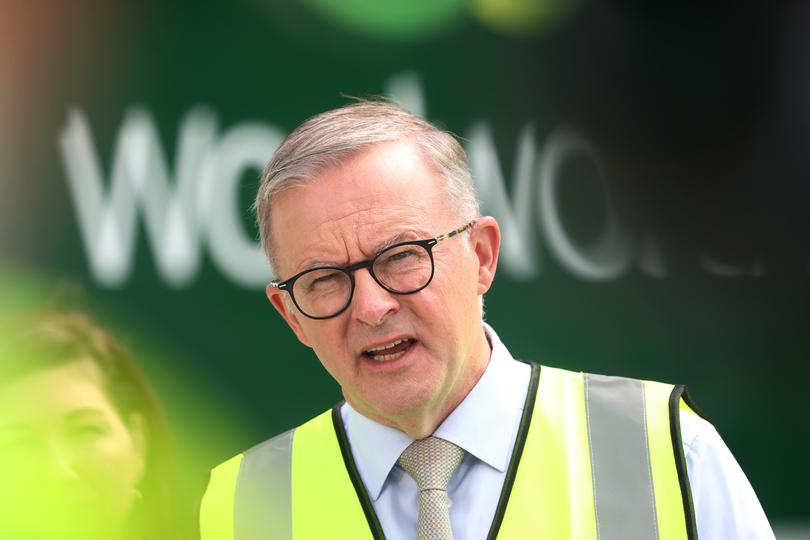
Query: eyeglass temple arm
451	234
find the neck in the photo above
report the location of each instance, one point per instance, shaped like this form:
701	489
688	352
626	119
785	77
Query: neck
423	421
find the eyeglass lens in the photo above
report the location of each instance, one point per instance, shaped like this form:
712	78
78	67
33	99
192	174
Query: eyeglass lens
323	292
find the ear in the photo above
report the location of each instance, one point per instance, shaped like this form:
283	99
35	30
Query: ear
287	312
486	238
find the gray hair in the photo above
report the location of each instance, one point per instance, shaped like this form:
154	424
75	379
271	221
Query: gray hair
329	138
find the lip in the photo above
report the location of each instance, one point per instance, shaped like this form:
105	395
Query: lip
389	365
381	342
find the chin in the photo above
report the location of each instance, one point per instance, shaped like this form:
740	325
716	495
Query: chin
394	403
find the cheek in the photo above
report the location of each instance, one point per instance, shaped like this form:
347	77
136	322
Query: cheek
94	492
456	290
329	343
111	468
458	271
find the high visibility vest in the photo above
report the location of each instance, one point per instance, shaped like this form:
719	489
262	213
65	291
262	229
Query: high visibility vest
596	458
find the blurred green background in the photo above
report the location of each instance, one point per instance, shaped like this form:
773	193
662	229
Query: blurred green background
649	167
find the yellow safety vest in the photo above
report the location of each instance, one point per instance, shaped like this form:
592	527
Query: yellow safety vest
596	458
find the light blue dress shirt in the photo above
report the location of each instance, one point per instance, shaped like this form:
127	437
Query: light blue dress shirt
485	424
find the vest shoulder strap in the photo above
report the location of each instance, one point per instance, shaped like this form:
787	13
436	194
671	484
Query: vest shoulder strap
216	508
601	460
248	496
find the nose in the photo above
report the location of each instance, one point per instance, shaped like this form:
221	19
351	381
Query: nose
61	462
371	303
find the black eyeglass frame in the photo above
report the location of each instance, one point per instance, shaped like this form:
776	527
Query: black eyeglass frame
428	245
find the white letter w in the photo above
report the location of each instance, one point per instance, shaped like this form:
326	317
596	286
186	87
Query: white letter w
139	177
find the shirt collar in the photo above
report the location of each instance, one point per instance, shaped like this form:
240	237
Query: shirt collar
375	447
483	424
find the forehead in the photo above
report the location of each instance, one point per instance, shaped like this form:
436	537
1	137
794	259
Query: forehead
53	391
345	212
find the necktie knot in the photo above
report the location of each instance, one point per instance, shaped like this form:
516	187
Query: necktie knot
431	462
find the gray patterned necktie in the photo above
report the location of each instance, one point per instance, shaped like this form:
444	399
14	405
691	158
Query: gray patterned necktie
432	462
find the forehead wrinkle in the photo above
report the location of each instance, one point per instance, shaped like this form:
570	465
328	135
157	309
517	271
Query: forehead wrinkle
402	226
329	240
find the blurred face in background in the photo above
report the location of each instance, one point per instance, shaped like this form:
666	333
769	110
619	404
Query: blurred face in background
70	463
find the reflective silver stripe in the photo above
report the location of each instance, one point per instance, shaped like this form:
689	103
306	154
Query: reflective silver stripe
622	479
263	499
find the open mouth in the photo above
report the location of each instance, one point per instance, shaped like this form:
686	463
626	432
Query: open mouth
389	351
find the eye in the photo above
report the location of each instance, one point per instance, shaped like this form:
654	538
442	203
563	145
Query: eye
401	255
325	279
85	432
11	442
322	280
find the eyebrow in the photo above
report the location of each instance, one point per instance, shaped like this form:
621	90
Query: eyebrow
79	414
396	239
314	264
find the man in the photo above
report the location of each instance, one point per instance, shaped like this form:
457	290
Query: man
370	221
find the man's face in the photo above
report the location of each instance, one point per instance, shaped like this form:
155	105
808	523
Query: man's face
388	193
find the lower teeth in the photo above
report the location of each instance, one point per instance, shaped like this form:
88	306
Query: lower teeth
386	357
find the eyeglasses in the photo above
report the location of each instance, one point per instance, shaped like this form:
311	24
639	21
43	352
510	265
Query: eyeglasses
326	291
